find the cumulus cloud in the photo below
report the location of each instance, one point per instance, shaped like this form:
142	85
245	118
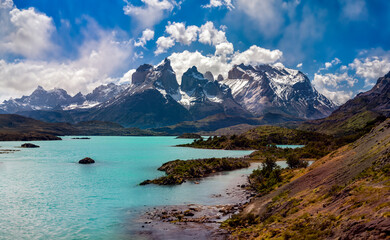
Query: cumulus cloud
257	55
210	35
164	43
24	33
299	65
181	33
127	77
219	3
371	68
147	35
151	13
328	65
97	62
331	84
27	35
224	49
181	62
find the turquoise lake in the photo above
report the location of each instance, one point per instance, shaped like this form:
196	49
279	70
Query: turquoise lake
45	194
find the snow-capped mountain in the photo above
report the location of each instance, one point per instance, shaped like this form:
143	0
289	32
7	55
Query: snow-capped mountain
204	96
147	102
156	99
267	88
59	99
40	99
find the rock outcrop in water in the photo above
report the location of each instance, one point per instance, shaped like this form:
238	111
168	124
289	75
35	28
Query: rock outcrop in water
29	145
87	160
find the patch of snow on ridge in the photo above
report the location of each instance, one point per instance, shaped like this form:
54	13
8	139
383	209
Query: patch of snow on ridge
184	99
85	105
236	85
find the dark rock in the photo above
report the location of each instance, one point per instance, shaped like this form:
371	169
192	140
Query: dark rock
86	160
209	76
188	213
29	145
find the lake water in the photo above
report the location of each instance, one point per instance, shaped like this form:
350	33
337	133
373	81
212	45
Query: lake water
45	194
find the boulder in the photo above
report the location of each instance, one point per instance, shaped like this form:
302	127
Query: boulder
29	145
87	160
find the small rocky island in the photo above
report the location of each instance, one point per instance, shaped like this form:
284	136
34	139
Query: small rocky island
29	145
86	160
179	171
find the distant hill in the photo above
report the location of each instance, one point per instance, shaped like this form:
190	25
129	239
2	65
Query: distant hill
210	125
358	114
18	128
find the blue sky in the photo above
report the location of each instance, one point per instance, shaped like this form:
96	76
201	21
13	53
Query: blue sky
342	45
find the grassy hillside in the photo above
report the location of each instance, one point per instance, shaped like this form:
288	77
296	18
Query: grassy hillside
344	195
264	138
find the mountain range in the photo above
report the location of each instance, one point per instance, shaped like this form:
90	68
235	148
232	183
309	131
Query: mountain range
155	99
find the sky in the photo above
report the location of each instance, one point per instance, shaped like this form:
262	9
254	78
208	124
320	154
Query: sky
342	45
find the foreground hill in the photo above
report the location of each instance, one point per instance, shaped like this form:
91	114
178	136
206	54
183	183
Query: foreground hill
18	128
344	195
358	114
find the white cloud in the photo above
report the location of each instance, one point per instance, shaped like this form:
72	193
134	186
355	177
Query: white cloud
299	65
181	62
220	64
210	35
337	97
164	43
334	62
181	33
371	68
206	34
24	32
224	49
330	85
147	35
151	13
98	61
256	55
219	3
127	77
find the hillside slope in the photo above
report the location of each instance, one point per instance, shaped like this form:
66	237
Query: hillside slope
344	195
358	114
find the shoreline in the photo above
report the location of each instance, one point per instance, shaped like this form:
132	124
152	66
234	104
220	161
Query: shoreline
192	221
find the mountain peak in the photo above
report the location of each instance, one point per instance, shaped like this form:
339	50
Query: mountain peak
267	87
39	88
209	76
387	75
